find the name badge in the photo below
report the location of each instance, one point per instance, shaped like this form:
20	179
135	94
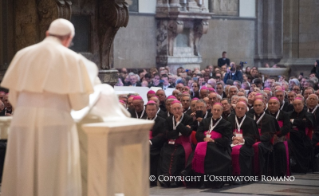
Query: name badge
172	142
208	135
239	135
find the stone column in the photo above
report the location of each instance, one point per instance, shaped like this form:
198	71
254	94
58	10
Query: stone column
7	34
268	47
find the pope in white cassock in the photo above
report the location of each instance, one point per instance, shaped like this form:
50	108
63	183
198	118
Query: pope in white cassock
46	81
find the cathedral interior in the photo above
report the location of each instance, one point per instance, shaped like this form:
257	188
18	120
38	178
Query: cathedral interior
143	34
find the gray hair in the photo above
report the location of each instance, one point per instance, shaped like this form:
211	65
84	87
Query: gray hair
243	97
232	87
296	81
233	97
201	101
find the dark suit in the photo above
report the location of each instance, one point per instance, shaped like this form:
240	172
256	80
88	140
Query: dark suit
157	141
129	84
222	62
162	114
133	114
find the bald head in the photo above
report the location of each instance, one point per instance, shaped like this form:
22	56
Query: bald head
312	101
240	109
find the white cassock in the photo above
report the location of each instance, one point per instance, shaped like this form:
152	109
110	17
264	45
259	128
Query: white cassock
46	81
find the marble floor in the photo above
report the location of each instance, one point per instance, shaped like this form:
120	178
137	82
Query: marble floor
304	184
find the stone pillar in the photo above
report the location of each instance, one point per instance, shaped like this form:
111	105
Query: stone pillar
301	38
7	35
268	47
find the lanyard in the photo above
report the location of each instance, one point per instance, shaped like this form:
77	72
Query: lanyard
277	114
153	118
259	118
168	115
187	110
211	127
174	126
283	103
239	125
314	110
141	114
159	109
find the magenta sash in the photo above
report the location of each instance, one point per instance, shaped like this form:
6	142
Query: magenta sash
185	142
200	153
309	132
151	132
256	157
235	156
280	123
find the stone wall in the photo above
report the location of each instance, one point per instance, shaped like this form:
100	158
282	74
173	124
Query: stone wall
300	35
231	35
309	29
135	45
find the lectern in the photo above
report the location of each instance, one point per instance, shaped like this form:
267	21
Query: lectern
118	158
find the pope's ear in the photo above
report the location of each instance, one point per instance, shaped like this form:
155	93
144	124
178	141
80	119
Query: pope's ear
47	33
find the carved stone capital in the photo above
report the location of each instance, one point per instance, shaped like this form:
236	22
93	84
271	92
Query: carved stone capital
111	16
49	10
174	28
200	28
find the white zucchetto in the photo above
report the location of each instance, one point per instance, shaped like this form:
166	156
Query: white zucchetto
61	27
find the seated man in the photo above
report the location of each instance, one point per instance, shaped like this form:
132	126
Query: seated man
157	138
160	112
227	109
267	127
302	121
245	133
150	94
312	104
186	102
176	150
139	109
201	113
168	103
130	106
212	153
284	104
281	150
162	98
